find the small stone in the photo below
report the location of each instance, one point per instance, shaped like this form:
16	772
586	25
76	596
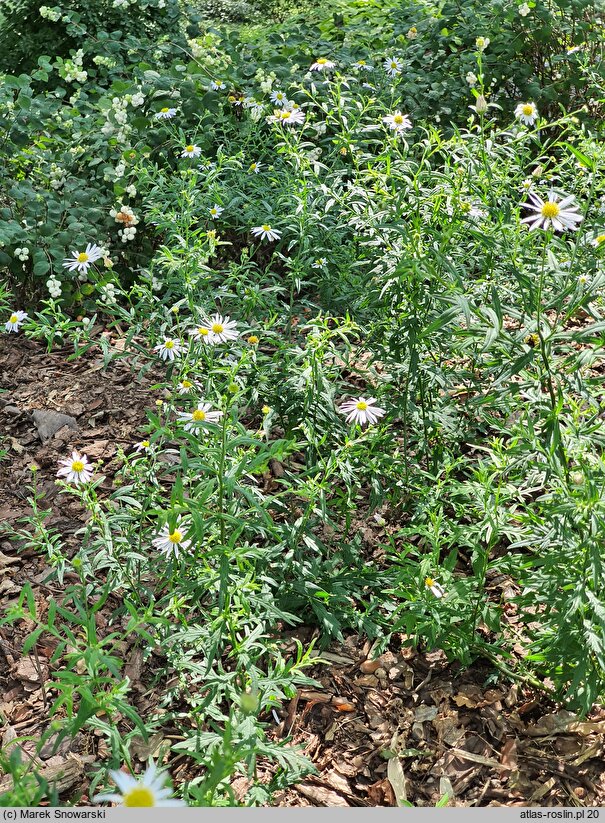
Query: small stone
370	666
49	423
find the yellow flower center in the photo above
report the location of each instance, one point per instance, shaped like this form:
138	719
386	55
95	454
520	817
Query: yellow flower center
77	466
393	64
139	795
322	61
217	328
169	344
253	340
361	405
528	110
13	319
398	119
253	166
429	582
198	415
599	240
189	149
266	227
175	537
285	115
202	331
550	210
266	409
165	109
82	257
361	62
186	384
145	444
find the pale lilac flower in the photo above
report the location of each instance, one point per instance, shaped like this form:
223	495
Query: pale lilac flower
362	410
75	469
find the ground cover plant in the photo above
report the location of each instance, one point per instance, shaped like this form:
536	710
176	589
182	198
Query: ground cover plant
354	266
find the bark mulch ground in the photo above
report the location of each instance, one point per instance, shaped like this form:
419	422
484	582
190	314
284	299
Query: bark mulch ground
406	727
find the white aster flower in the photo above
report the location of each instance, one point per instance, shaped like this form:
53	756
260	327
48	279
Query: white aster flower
392	66
598	241
583	279
265	232
319	263
82	260
362	410
148	791
289	117
435	588
254	167
202	334
172	542
75	469
186	386
15	320
222	329
398	122
524	10
322	64
199	417
278	97
560	213
363	66
216	211
191	151
471	78
142	446
169	349
165	114
527	113
217	85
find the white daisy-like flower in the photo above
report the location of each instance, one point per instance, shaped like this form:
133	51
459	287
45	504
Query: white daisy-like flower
172	542
15	320
75	469
217	85
528	185
392	66
278	97
322	64
435	588
265	232
142	446
202	334
583	279
222	329
524	10
289	117
362	410
598	241
527	113
191	151
82	260
216	211
199	417
319	263
186	386
254	167
168	349
165	114
142	792
363	66
558	212
398	122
